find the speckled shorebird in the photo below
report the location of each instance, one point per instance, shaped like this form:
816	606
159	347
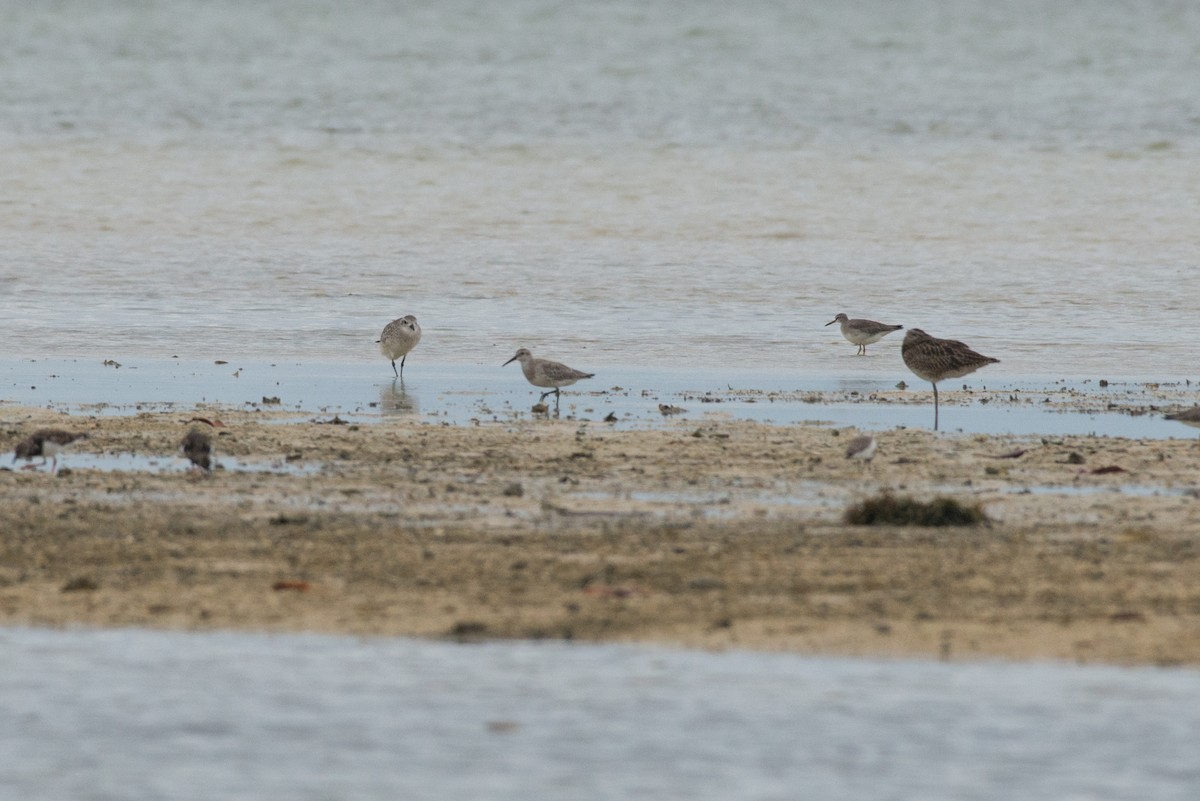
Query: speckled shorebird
935	359
398	338
863	332
545	373
46	443
862	448
1189	417
197	447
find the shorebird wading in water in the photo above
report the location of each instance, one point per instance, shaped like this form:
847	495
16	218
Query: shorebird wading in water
935	359
197	447
863	332
398	338
46	443
545	373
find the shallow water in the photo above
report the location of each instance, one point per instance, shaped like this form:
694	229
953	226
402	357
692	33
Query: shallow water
618	183
140	463
465	395
121	714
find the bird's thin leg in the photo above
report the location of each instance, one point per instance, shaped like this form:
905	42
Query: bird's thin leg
403	359
394	370
544	394
935	407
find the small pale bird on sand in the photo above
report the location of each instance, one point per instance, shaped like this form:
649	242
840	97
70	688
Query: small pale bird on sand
861	448
398	338
863	332
545	373
935	359
46	443
197	447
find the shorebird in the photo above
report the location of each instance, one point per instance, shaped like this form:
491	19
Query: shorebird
935	359
1189	417
545	373
197	447
398	338
45	442
862	448
863	332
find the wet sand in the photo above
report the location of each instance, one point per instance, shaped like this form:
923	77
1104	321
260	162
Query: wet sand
706	533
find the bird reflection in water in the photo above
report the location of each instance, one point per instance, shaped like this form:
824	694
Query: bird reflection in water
395	400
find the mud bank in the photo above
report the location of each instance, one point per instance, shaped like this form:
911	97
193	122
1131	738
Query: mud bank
706	534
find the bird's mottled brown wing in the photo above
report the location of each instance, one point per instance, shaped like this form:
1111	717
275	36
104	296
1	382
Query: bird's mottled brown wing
55	435
935	359
870	327
556	371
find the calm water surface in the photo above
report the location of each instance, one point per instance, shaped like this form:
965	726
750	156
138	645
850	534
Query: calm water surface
657	184
478	394
135	714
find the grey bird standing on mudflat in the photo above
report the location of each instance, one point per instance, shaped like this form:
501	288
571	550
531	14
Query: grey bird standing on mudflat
863	332
545	373
935	359
398	338
861	448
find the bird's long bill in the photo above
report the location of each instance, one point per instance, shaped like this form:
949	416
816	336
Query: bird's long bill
510	361
831	322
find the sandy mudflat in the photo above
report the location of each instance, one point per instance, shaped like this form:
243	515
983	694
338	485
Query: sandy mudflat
709	534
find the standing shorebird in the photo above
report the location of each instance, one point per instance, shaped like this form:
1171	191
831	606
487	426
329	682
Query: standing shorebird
934	359
545	373
863	332
46	443
861	448
197	447
398	338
